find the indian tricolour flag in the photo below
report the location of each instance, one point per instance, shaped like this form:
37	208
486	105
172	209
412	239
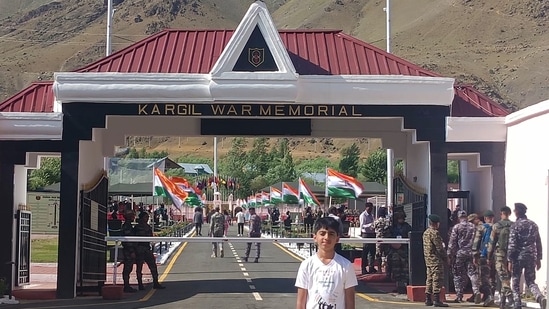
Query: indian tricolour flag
192	199
265	198
289	194
306	194
165	187
276	196
341	185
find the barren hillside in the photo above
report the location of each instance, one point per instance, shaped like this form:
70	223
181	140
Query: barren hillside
499	46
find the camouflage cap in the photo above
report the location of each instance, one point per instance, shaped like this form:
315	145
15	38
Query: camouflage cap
520	207
472	217
434	218
462	214
488	213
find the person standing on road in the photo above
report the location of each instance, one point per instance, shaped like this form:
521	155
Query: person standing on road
326	279
367	231
198	219
497	249
217	229
254	231
145	253
240	220
435	257
525	254
128	250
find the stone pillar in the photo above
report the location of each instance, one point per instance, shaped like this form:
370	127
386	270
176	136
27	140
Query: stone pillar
438	196
68	210
498	190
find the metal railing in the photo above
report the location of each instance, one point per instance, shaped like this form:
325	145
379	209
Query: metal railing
119	239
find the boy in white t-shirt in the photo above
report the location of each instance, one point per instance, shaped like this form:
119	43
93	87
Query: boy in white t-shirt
326	280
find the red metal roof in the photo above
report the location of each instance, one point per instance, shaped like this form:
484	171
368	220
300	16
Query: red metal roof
38	98
313	52
469	102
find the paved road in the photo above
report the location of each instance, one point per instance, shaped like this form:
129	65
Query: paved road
195	280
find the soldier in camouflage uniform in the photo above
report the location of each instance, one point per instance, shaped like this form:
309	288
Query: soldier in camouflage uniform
217	229
459	251
255	231
128	250
524	253
497	249
398	253
435	257
480	258
382	228
145	253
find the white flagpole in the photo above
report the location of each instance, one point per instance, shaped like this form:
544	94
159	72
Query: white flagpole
110	12
388	21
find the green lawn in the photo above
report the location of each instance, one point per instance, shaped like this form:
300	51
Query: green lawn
44	250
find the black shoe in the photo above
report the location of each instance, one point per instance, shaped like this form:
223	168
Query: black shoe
246	259
437	302
477	298
428	300
129	289
158	286
141	287
457	300
471	299
365	272
256	260
542	301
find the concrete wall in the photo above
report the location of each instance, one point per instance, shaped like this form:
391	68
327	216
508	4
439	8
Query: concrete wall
478	181
526	170
417	165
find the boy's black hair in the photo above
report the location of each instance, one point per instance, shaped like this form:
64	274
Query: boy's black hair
328	223
506	210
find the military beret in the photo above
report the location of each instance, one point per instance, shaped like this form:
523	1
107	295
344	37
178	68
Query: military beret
520	206
488	213
434	218
143	214
472	217
462	214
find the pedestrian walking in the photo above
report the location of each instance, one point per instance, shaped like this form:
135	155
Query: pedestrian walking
198	219
485	266
398	253
525	255
254	231
217	229
240	220
461	259
435	258
497	249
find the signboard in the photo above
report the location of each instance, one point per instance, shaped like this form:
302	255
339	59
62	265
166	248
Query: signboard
45	211
250	110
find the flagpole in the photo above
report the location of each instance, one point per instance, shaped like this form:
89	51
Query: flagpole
215	157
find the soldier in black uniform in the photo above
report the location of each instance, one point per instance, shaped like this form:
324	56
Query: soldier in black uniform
145	253
128	250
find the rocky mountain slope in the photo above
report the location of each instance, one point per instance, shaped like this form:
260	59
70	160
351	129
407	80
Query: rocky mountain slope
501	47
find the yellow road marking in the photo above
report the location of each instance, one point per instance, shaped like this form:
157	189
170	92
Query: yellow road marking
361	295
166	271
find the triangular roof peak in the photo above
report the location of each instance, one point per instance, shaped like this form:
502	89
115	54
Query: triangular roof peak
255	46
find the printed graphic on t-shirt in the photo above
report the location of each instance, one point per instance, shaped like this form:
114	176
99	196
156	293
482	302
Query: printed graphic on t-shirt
326	294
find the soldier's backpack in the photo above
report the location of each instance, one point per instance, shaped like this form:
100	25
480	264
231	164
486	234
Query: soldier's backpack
503	238
485	240
218	222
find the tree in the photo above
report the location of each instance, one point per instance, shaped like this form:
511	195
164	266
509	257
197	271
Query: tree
283	168
313	165
375	167
235	165
259	160
453	171
48	173
349	163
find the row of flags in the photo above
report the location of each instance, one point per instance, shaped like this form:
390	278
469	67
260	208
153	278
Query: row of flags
337	185
182	192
